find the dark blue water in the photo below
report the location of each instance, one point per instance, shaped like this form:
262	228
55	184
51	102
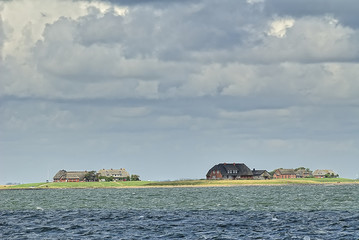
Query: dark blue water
278	212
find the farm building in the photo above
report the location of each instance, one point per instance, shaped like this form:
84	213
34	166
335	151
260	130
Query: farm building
117	174
284	173
324	173
69	176
303	173
229	171
260	174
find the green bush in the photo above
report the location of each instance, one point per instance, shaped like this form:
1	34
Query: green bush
107	179
135	177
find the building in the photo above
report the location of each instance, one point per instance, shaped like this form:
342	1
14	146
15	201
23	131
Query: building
324	173
69	176
260	174
284	173
229	171
303	173
117	174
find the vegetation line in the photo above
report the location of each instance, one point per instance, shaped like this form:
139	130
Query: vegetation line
180	183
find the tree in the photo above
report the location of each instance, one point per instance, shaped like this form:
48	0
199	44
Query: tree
107	179
135	177
91	176
332	175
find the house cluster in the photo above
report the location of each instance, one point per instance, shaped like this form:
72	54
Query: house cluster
80	176
303	173
241	171
282	173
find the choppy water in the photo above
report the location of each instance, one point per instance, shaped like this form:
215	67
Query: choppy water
258	212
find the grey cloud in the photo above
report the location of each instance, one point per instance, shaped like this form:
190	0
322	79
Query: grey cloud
157	3
147	31
175	83
196	33
345	11
108	29
2	36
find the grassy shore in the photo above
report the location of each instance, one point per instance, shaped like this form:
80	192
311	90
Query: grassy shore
180	183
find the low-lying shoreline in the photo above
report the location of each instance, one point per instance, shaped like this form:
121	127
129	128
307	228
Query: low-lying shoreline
178	184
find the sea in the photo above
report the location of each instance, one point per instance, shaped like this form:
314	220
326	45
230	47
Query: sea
242	212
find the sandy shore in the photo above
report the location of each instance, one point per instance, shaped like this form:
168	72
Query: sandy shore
5	186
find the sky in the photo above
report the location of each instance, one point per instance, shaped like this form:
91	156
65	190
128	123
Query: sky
167	89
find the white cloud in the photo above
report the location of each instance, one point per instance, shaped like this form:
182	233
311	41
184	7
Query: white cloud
310	40
278	28
25	21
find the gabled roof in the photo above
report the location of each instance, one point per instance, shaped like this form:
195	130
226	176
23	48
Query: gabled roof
110	172
286	171
322	172
76	174
302	171
63	174
60	174
241	168
258	172
230	167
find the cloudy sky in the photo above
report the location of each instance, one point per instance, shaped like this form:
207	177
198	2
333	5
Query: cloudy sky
167	89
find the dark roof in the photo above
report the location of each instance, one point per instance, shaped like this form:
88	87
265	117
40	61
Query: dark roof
258	172
242	169
230	167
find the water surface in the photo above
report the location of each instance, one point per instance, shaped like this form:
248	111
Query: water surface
243	212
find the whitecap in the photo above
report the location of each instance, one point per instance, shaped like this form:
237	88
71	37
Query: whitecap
40	208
